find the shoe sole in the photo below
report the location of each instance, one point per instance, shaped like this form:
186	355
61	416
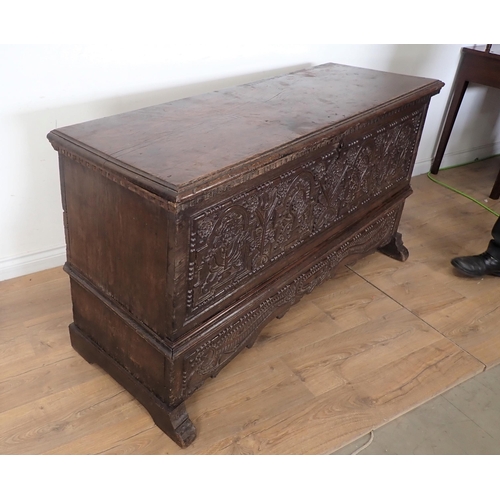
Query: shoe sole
473	275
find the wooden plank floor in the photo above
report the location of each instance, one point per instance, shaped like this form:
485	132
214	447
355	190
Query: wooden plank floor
380	339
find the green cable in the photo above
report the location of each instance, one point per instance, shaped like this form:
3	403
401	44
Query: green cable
429	175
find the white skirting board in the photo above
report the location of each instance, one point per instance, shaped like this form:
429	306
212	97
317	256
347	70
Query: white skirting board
32	263
459	158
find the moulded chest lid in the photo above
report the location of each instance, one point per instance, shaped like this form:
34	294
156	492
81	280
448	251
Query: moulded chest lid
183	142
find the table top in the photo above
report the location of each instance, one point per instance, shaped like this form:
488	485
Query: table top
191	140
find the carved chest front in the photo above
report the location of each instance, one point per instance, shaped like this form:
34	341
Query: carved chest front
191	224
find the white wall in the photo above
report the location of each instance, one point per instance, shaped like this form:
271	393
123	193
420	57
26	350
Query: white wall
44	87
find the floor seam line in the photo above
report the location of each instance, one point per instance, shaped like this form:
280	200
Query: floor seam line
467	416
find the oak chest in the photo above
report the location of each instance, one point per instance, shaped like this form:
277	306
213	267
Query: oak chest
191	224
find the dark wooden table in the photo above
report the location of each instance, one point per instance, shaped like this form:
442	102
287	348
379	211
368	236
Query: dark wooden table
192	224
478	64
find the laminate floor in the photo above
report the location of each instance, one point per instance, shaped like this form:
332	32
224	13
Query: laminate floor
466	419
407	350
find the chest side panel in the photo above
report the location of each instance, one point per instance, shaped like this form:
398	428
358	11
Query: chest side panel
117	239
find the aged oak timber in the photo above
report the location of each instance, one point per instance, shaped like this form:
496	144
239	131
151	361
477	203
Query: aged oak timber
191	224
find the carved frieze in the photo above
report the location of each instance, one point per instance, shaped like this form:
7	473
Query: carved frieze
235	239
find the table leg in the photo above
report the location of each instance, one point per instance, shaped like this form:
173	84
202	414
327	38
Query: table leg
459	88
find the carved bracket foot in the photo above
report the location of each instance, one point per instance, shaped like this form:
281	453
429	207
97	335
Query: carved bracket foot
173	421
395	248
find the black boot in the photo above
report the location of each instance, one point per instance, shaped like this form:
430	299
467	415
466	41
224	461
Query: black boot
477	265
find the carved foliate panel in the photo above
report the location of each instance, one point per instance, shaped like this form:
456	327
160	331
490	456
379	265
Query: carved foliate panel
212	355
236	238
